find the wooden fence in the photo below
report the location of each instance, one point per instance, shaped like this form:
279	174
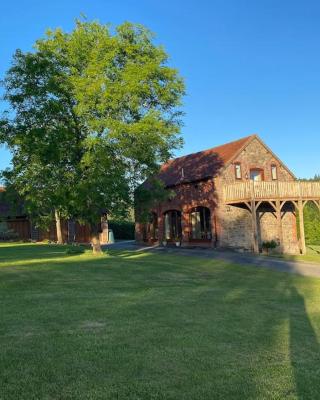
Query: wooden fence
80	233
21	227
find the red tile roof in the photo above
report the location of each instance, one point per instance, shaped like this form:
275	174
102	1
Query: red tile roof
202	165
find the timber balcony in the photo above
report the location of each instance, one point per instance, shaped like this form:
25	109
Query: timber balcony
251	195
271	191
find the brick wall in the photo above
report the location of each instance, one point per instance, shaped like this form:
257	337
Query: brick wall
187	196
232	225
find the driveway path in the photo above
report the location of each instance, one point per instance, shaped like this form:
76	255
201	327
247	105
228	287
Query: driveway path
277	264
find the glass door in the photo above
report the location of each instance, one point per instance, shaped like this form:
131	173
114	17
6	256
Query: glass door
256	174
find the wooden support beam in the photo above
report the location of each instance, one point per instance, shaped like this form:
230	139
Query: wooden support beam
279	222
282	203
303	248
255	239
317	203
273	205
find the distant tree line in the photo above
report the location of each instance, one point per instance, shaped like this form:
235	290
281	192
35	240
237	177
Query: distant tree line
312	218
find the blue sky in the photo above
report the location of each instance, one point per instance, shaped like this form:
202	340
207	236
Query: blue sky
249	66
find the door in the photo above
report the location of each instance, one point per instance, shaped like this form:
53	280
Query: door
196	225
256	174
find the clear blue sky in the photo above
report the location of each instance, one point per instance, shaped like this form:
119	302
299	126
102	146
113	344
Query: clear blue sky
250	66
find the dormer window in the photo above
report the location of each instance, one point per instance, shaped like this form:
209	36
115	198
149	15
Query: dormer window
237	169
274	172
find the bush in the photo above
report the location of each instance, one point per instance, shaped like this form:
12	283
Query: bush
122	230
272	244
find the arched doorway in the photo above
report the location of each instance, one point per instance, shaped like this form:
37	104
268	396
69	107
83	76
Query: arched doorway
153	227
200	224
172	225
150	228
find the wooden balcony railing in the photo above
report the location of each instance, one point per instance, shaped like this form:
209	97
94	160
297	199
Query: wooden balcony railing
246	191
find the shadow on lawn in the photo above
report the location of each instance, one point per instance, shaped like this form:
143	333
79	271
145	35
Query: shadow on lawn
27	251
221	320
304	349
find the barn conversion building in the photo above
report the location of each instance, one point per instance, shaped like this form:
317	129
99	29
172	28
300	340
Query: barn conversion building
238	195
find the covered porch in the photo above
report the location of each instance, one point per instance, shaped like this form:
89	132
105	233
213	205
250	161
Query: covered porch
277	198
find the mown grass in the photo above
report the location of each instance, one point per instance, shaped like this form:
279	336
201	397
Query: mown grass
145	326
313	255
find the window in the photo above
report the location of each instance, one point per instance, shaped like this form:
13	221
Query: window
238	173
153	226
200	223
274	172
256	174
172	225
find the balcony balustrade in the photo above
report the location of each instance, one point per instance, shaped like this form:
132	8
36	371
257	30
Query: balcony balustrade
271	191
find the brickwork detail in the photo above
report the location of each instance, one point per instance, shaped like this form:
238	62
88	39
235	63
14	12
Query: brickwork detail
231	225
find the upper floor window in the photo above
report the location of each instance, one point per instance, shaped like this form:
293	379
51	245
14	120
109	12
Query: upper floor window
274	172
238	173
256	174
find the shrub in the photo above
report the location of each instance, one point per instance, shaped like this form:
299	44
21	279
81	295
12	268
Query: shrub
272	244
122	229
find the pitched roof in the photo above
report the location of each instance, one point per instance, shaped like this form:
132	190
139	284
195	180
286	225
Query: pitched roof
202	165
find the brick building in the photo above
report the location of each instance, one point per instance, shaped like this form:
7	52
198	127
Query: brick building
237	195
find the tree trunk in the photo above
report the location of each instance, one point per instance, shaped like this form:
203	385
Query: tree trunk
58	227
104	229
95	241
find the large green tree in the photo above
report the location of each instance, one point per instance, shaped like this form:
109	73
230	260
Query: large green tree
93	113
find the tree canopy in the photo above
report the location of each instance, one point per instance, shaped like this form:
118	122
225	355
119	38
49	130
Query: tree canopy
93	113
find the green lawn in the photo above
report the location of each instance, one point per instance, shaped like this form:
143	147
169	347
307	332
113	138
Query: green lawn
313	255
143	326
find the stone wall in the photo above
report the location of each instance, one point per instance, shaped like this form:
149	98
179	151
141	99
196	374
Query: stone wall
255	155
232	226
235	224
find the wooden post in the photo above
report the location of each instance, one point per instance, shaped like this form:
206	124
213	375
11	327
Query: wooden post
254	227
301	225
255	241
279	221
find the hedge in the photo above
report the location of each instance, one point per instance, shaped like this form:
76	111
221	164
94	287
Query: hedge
122	230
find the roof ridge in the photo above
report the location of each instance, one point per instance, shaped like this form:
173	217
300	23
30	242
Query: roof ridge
244	138
202	164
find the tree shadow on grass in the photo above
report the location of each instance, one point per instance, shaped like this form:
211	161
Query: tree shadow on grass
195	328
30	251
304	349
